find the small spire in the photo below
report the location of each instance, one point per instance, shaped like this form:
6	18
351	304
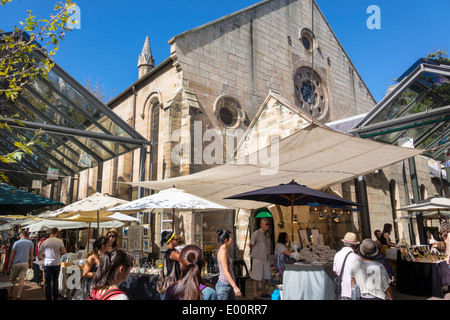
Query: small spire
146	61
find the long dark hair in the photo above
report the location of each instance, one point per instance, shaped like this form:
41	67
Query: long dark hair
98	244
282	237
386	228
192	261
109	267
114	245
165	236
223	235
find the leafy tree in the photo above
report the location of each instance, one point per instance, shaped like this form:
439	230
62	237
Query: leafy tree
440	55
25	55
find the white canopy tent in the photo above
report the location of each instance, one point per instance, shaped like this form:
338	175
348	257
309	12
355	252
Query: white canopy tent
429	204
44	225
93	206
314	156
170	199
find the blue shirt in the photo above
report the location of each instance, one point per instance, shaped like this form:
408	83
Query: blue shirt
22	248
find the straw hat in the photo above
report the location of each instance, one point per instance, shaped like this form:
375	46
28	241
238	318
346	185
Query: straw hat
113	230
368	249
350	238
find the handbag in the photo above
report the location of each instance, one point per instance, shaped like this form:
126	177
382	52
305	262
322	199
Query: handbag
29	275
337	282
165	281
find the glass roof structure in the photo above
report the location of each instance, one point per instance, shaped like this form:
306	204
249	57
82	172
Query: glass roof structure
74	123
418	107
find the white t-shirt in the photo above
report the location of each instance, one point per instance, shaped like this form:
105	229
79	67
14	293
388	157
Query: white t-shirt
279	249
371	278
337	265
52	251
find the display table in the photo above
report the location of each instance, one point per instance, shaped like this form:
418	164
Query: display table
308	282
422	279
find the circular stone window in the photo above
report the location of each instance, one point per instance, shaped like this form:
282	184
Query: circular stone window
228	111
310	93
307	39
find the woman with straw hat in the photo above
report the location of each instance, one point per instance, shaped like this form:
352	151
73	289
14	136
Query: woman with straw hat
112	237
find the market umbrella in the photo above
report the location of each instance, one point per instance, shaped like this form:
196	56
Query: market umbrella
117	216
432	215
429	204
49	224
93	206
173	199
14	201
292	194
435	203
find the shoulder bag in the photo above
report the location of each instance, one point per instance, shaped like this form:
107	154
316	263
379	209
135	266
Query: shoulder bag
165	281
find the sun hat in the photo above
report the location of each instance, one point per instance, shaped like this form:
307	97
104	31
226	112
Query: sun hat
113	230
350	238
368	249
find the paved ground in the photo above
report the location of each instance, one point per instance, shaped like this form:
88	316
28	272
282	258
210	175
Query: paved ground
33	291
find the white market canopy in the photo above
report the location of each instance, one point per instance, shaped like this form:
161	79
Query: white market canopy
93	206
173	199
429	204
430	215
117	216
314	156
49	224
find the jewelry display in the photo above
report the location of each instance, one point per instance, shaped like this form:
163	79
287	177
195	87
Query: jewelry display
422	253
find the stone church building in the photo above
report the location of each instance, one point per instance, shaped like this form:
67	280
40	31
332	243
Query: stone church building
278	55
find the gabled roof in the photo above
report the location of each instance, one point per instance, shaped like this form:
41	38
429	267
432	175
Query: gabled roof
171	41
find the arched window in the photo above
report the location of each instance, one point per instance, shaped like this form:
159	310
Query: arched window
423	192
154	135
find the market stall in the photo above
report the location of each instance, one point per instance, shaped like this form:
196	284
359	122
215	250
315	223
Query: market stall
308	282
309	276
422	271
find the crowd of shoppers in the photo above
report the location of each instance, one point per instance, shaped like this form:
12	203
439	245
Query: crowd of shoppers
366	273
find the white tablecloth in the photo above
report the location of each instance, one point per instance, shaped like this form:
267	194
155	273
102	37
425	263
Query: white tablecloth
308	282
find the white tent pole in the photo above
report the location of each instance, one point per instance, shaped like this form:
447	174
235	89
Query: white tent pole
89	236
173	219
98	223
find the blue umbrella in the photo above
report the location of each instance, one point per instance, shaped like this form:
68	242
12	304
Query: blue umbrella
16	201
293	194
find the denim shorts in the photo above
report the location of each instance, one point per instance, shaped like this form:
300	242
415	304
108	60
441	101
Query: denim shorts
224	291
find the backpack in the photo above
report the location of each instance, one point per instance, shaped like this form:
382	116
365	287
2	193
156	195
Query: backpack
106	296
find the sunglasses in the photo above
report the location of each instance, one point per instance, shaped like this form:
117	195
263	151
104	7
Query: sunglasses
112	236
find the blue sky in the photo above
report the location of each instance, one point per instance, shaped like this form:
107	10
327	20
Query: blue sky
112	33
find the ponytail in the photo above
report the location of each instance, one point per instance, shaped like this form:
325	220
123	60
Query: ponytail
108	269
223	235
192	261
